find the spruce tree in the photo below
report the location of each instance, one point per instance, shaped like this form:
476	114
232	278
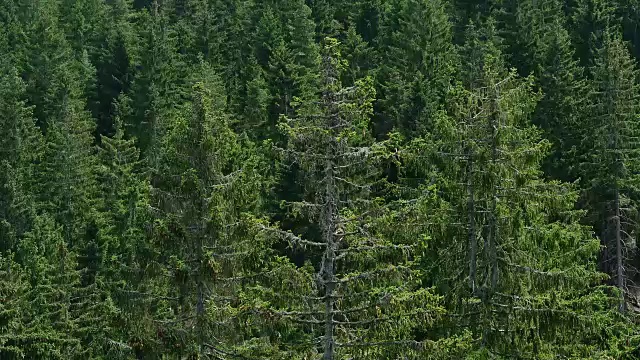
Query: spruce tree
209	191
48	58
12	34
13	286
52	312
158	86
562	107
414	60
589	21
254	108
198	179
227	39
114	65
359	55
539	44
510	252
83	23
21	148
366	300
610	162
288	54
326	17
528	27
630	12
68	170
69	192
124	249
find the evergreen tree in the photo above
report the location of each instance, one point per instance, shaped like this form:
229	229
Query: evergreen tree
513	259
610	165
630	11
210	184
366	300
42	323
254	109
529	27
590	20
58	315
158	85
232	48
325	13
414	60
358	54
333	18
83	23
12	35
70	194
288	54
561	109
68	170
197	179
20	150
47	61
124	248
114	65
13	287
539	44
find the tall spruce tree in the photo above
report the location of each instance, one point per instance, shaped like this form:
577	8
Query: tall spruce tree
630	11
210	189
528	27
13	309
366	301
69	192
610	161
83	23
57	317
589	21
114	65
21	148
45	322
520	260
124	247
562	107
47	59
68	171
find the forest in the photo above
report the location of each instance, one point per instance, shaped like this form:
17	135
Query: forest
319	179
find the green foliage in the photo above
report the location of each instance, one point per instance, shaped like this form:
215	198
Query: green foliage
286	50
610	164
158	85
22	144
539	44
366	301
210	187
69	188
304	179
520	260
415	62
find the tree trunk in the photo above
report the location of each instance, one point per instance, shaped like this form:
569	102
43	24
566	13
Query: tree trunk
329	261
493	250
329	227
473	240
491	241
619	263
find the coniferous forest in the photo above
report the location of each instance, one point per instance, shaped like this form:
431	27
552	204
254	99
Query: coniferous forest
319	179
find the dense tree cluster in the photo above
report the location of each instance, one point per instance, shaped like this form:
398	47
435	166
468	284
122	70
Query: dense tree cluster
319	179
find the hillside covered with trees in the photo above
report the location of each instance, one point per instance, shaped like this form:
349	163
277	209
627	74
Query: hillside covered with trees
319	179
